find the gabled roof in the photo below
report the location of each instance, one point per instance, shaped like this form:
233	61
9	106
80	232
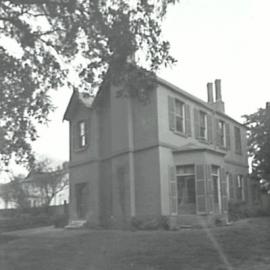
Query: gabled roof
77	98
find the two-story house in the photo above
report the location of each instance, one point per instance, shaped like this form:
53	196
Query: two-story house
176	156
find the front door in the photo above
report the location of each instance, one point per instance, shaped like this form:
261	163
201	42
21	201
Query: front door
81	200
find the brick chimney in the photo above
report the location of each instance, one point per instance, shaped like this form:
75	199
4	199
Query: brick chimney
210	96
218	104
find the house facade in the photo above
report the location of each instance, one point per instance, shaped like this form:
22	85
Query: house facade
176	156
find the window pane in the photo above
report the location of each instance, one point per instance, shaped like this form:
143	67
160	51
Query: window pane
187	169
82	128
179	106
179	124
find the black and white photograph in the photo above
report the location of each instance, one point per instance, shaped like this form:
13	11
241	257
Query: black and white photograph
134	135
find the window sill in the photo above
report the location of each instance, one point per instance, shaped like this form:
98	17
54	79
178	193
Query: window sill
180	133
203	140
81	149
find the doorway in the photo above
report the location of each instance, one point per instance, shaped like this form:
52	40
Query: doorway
81	190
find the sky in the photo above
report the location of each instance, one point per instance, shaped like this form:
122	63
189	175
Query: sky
211	39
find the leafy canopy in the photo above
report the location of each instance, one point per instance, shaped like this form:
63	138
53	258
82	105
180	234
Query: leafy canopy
107	35
259	144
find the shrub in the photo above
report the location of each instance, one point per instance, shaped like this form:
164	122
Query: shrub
60	221
156	223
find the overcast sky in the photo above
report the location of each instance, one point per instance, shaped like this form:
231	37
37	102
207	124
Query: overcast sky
211	39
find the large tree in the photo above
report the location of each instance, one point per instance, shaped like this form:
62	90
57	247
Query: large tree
258	125
108	35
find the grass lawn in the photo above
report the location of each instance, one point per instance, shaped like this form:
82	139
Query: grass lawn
244	245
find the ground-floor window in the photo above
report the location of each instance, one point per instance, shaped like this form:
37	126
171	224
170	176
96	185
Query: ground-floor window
186	191
215	173
240	188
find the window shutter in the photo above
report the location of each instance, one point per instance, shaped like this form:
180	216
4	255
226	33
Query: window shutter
171	110
187	120
209	129
231	187
245	187
196	123
200	189
217	132
228	137
88	131
74	135
223	186
209	189
172	190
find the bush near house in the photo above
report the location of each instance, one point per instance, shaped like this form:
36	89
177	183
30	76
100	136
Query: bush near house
242	210
17	219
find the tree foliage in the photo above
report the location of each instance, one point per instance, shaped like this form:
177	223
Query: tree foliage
107	35
14	192
258	125
46	182
41	185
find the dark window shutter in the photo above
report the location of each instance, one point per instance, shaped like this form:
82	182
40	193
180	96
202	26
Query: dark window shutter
223	185
75	135
217	133
228	137
187	120
88	131
245	186
196	123
209	129
209	189
200	189
171	110
231	187
172	190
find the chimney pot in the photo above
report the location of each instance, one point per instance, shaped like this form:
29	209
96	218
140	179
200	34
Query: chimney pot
218	89
210	92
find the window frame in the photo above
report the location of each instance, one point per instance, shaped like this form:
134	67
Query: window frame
240	185
182	116
237	140
222	133
82	134
204	114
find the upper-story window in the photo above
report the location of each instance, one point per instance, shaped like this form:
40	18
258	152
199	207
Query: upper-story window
222	133
240	188
238	143
203	125
82	134
179	116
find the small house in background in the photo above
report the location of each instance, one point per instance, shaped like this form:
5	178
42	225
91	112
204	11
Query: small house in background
177	156
47	188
